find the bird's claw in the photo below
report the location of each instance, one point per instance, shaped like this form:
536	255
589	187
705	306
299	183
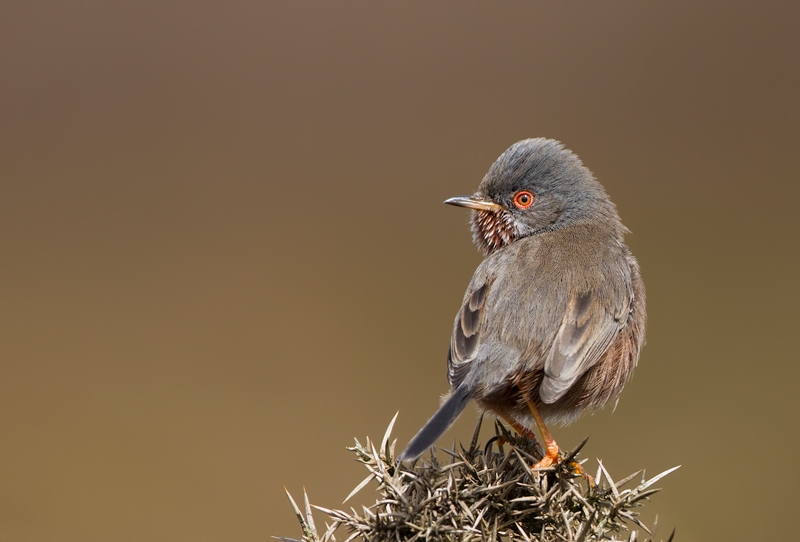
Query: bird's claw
549	461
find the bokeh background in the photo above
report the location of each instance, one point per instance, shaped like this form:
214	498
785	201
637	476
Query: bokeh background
225	254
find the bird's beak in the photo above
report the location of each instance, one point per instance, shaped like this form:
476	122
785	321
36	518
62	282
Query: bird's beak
475	202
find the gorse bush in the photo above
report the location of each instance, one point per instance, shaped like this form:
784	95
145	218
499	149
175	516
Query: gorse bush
485	492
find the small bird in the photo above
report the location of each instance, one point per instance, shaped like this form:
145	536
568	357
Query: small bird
554	318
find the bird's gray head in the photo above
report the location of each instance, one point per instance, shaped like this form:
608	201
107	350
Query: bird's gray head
536	186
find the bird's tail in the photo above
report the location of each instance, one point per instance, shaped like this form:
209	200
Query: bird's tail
438	424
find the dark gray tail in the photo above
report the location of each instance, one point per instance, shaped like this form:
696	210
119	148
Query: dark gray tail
438	424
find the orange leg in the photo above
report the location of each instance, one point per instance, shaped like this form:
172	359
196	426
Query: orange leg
519	428
551	453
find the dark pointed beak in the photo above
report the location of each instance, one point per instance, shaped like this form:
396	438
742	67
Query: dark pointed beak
475	202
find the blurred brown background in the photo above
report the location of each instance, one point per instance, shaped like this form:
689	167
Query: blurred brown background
225	254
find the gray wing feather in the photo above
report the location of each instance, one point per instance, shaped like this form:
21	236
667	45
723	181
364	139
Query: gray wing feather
586	332
466	334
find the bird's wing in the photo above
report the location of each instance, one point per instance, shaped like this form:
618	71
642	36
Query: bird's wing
586	332
466	334
463	350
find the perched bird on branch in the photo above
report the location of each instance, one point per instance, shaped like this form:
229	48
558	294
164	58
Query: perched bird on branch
554	317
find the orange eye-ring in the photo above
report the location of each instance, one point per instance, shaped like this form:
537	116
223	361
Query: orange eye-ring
523	199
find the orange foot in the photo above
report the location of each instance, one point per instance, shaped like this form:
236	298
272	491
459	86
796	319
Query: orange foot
551	448
551	454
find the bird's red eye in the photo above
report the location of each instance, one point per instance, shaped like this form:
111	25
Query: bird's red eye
523	199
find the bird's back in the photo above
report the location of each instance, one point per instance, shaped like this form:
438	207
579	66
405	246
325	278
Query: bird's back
532	283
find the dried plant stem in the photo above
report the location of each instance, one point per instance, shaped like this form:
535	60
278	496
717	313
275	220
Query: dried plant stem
484	493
